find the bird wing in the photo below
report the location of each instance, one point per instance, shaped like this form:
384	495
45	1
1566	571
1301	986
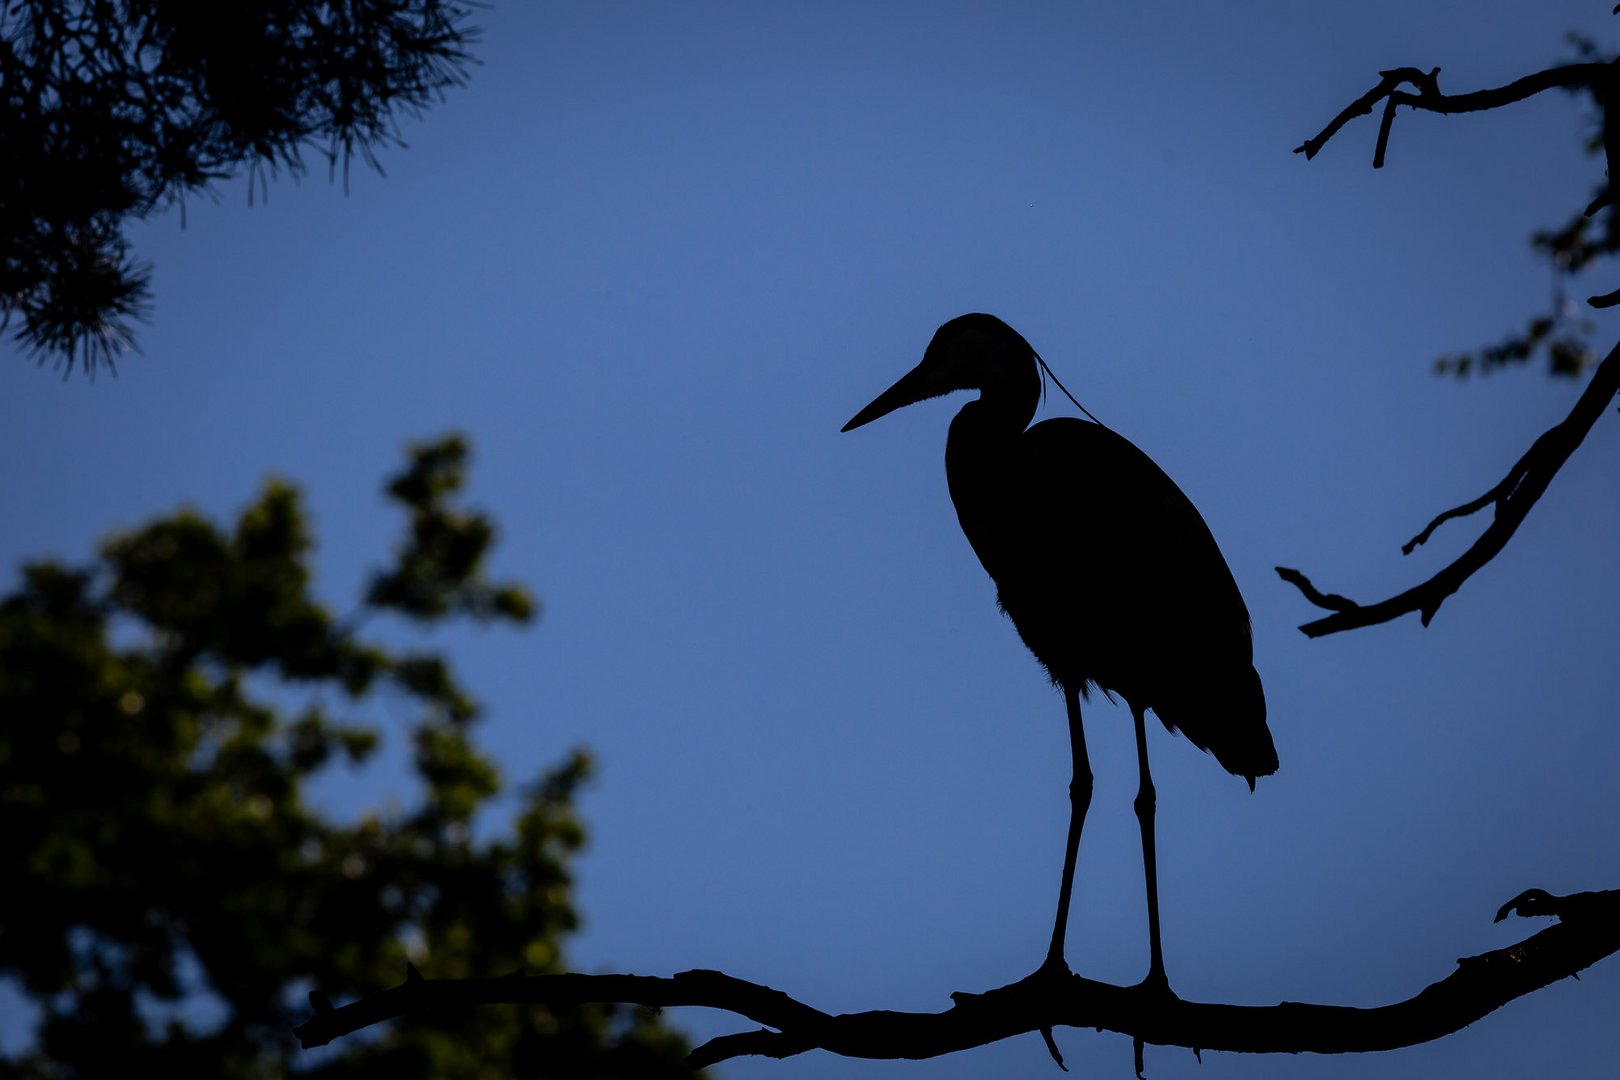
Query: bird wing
1128	552
1134	536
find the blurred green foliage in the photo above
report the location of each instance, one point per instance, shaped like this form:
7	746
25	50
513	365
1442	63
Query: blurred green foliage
1560	334
170	895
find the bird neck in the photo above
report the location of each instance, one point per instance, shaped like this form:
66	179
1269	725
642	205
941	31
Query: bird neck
1009	391
985	467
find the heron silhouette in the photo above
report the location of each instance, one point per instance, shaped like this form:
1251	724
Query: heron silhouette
1106	569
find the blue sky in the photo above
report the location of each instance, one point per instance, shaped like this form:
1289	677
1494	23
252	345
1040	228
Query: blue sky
655	255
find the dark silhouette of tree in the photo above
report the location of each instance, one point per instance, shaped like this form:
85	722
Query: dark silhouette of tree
1570	248
112	110
170	893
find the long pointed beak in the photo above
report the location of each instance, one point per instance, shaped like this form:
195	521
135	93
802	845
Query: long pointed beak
919	384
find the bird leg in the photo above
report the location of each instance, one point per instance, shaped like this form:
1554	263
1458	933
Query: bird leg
1146	800
1079	800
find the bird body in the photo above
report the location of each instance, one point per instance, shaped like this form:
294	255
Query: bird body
1104	566
1111	577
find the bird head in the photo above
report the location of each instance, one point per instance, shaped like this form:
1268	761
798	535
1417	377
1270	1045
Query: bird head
971	352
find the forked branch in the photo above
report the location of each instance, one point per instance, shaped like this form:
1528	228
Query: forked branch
1513	496
1430	99
1588	930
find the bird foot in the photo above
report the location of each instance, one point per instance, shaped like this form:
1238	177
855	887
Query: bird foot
1156	988
1053	969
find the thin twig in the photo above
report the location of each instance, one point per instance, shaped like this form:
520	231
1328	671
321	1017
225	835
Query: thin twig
1503	488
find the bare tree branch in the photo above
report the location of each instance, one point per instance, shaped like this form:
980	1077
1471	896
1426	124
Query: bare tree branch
1588	930
1513	497
1431	99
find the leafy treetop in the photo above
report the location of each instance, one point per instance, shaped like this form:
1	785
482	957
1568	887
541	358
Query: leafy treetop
171	892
